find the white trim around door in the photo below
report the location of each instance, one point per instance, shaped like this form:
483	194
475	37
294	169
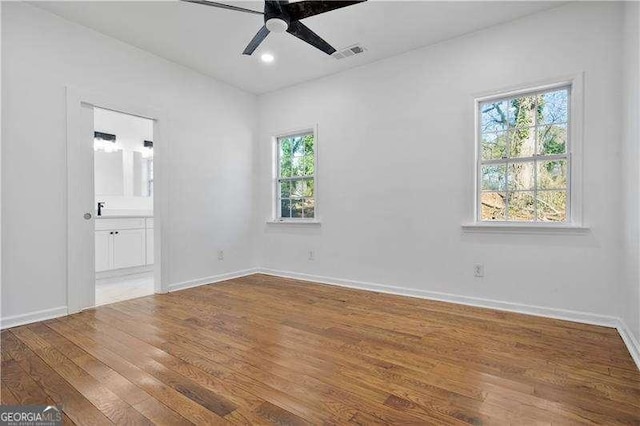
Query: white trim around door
80	231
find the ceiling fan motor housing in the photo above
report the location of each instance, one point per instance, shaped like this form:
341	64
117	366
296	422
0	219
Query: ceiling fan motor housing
277	25
280	16
276	19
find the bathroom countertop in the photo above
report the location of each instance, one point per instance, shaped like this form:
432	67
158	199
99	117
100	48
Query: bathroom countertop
124	216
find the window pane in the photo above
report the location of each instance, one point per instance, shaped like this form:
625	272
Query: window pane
493	206
285	208
308	164
308	145
285	166
494	116
297	146
296	208
308	208
297	188
309	188
296	166
521	206
520	176
553	107
552	206
552	174
552	139
494	145
285	147
522	111
285	189
494	177
522	142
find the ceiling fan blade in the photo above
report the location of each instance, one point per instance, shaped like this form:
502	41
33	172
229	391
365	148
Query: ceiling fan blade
303	32
305	9
256	40
224	6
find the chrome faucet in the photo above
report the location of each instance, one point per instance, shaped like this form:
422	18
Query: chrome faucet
100	207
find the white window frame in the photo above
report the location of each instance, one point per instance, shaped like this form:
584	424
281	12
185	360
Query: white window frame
573	155
276	176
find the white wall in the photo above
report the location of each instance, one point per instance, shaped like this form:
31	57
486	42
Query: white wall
396	162
210	129
393	217
631	167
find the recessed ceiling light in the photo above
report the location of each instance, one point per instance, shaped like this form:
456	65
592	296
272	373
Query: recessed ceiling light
267	58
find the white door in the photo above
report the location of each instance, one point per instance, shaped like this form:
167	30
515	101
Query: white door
81	260
104	240
129	248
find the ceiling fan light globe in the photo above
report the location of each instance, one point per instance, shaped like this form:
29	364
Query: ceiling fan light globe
277	25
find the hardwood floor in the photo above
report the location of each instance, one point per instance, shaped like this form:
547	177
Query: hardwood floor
266	350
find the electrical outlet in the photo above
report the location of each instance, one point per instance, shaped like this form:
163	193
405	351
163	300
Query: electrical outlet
478	270
312	255
221	255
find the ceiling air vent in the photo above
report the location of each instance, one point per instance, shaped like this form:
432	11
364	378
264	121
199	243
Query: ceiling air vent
356	49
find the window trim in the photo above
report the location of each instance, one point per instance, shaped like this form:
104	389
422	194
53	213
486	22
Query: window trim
574	154
275	209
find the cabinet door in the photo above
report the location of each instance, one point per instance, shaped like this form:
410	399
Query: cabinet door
149	246
103	250
129	248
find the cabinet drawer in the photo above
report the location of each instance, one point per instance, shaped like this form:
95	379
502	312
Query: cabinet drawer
118	224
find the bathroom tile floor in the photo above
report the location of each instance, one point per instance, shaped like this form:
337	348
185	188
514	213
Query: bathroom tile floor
111	290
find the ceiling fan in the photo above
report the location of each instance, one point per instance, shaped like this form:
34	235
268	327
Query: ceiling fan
281	16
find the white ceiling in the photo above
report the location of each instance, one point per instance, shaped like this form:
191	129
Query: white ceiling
211	40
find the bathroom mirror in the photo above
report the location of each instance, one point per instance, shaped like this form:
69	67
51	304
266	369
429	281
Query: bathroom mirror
123	173
109	172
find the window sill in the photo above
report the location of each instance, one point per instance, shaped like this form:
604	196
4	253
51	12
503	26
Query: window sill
525	228
293	222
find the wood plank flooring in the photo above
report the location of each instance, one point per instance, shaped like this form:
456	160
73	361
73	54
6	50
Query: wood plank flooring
266	350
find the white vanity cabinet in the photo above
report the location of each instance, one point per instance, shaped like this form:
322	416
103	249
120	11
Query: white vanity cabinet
129	248
122	243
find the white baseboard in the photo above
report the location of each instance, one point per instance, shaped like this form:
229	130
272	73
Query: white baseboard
212	279
582	317
61	311
628	338
541	311
36	316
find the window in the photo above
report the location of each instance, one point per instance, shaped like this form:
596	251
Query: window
295	183
149	177
524	159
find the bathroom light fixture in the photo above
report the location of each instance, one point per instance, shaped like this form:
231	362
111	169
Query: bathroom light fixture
267	58
147	152
104	142
105	136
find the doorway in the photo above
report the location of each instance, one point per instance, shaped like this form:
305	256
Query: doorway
115	248
123	182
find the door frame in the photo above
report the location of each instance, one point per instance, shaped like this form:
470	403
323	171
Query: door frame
78	298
